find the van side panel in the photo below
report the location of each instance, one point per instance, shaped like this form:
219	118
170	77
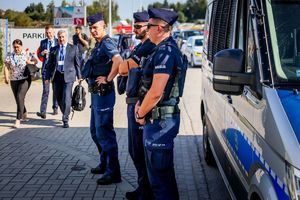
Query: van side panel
222	156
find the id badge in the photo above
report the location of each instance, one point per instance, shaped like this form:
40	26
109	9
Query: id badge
61	62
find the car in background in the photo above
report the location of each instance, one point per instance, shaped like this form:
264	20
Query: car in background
175	34
193	50
185	34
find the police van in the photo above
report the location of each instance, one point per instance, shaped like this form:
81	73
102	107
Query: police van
250	98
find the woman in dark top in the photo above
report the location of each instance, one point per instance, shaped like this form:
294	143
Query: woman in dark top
15	64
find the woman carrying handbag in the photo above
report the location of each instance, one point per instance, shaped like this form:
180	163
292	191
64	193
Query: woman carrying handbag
15	75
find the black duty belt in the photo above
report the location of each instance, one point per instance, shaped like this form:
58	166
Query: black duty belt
132	100
102	89
164	112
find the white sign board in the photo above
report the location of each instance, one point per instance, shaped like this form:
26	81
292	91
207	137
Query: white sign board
68	16
31	38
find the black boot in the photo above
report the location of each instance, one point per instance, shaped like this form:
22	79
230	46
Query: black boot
133	195
107	179
98	170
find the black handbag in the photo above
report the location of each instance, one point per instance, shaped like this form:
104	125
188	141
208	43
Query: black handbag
33	71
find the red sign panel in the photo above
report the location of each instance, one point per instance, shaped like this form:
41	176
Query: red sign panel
79	21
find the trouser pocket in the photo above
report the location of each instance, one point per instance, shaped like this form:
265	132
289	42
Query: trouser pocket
162	159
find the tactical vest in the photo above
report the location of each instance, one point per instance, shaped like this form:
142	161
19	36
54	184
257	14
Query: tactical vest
174	88
101	64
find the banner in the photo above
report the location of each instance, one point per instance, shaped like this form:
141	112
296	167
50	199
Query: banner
68	16
31	38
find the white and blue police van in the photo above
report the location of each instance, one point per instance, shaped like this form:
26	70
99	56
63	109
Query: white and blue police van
250	98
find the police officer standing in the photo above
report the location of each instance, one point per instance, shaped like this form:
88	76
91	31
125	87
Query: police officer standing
158	110
102	67
135	130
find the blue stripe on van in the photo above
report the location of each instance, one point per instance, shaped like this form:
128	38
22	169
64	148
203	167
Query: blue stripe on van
291	105
246	154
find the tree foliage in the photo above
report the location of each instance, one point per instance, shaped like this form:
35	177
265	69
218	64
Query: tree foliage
189	11
36	11
102	6
38	15
50	11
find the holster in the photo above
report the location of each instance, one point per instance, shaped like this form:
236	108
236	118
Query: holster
164	111
132	100
102	89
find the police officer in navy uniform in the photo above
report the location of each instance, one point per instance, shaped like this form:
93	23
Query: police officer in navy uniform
135	130
100	70
158	107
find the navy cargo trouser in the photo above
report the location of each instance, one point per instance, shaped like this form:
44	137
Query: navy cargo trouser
136	151
159	143
45	96
102	130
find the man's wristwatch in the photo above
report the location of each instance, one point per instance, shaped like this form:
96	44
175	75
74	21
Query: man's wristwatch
137	116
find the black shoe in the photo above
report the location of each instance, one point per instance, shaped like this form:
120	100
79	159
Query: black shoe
42	115
98	170
66	125
55	112
133	195
109	179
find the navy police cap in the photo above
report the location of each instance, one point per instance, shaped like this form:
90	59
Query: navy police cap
141	16
168	16
94	18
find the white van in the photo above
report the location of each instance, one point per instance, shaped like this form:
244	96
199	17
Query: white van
250	103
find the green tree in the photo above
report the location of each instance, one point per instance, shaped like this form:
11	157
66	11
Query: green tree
189	11
102	6
195	9
35	11
22	19
181	17
166	4
10	15
40	8
50	11
64	3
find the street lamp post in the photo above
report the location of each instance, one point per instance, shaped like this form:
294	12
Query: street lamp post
110	24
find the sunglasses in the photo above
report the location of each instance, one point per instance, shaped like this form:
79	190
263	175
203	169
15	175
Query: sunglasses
138	26
149	25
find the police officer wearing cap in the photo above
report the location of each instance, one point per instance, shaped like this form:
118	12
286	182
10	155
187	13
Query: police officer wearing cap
100	70
158	107
135	130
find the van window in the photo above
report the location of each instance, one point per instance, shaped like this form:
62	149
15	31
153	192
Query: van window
284	25
242	25
221	28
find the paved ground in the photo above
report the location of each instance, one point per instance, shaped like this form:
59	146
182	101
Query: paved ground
41	160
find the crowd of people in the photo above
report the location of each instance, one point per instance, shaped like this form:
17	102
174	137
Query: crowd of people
152	94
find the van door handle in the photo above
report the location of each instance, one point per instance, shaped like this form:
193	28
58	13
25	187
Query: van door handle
229	99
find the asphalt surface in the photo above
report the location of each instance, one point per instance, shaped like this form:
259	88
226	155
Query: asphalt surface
41	160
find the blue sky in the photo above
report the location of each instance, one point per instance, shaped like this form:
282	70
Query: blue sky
126	7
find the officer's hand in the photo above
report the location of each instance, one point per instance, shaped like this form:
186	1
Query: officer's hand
101	80
141	121
47	82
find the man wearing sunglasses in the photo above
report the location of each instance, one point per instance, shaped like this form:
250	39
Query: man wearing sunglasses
157	108
135	130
